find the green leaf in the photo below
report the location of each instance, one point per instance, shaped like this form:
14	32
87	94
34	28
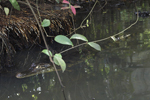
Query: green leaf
6	10
55	60
95	46
46	23
15	4
79	36
45	51
59	61
58	55
57	1
63	40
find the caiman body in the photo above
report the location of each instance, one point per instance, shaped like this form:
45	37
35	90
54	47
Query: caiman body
35	70
40	68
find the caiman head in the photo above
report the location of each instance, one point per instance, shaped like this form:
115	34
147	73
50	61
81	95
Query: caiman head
35	70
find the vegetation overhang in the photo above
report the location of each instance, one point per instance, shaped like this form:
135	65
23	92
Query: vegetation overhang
19	29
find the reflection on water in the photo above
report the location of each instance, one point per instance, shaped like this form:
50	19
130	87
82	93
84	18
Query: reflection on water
119	72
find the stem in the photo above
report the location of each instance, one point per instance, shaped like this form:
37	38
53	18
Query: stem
50	58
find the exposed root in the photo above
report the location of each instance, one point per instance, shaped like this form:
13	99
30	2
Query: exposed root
19	29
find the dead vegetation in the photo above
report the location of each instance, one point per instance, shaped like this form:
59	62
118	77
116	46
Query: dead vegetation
19	29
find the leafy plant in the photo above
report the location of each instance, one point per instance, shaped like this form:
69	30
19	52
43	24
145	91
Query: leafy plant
57	58
15	4
66	41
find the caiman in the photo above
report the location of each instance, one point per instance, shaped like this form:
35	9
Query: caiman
36	69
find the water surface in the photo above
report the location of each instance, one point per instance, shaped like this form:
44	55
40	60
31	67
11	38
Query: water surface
119	72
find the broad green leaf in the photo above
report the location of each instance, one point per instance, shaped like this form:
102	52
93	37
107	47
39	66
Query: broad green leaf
62	64
95	46
58	55
15	4
79	36
63	40
59	61
45	51
6	10
55	60
46	23
57	1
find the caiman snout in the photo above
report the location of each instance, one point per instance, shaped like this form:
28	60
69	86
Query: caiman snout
19	75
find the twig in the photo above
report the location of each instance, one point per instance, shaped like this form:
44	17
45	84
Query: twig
88	14
104	38
121	31
81	25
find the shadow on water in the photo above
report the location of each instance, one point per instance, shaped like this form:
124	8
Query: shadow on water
119	72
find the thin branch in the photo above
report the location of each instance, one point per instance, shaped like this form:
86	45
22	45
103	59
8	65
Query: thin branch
104	38
81	25
50	58
88	14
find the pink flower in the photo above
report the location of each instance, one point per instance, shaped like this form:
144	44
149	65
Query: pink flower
64	1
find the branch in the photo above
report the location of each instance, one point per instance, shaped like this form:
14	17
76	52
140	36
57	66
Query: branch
50	58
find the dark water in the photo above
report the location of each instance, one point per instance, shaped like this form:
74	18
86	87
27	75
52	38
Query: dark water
119	72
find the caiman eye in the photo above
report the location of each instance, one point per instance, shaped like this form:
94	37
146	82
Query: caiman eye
37	66
18	75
